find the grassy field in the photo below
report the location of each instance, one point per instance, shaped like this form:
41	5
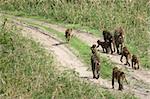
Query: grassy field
94	16
28	71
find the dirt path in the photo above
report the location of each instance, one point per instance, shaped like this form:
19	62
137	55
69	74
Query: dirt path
63	55
89	39
66	58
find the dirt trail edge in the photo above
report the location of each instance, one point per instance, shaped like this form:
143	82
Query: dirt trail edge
70	60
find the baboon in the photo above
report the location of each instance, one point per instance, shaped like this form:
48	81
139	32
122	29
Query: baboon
108	38
126	54
119	43
93	48
104	45
135	62
120	31
68	34
119	39
119	76
95	64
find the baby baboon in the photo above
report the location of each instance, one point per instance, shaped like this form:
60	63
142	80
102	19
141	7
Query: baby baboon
119	76
135	62
126	54
68	34
95	64
104	45
93	48
108	38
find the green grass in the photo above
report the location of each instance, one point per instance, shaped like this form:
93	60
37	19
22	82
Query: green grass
28	71
93	17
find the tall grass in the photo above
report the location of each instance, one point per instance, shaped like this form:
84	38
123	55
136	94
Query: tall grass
132	15
28	71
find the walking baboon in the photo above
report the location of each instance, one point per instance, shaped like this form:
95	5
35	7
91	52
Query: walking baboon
68	34
119	43
119	39
119	76
126	54
135	62
108	38
95	64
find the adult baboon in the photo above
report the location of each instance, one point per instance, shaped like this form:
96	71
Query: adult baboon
119	39
135	62
95	64
125	53
68	34
119	76
108	38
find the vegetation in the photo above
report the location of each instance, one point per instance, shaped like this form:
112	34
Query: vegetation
132	15
27	71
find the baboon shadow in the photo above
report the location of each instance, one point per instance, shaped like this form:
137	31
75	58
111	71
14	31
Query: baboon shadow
60	43
86	77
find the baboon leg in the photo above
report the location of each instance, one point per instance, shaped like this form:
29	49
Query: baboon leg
127	62
138	65
103	50
121	49
121	58
107	51
93	70
120	84
93	73
111	48
132	64
113	81
135	65
117	47
93	67
97	71
114	46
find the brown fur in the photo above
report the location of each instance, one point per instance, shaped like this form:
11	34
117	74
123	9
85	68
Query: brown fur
104	45
68	34
93	48
95	64
126	54
108	38
120	31
135	62
119	39
119	76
